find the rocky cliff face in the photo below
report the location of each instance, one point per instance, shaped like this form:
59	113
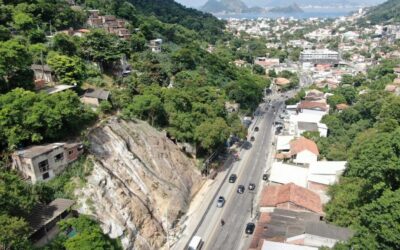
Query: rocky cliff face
139	178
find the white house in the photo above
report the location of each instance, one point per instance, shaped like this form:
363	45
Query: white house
304	151
282	173
324	173
283	143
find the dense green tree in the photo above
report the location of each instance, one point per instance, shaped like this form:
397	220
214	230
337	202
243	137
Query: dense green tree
89	235
5	33
14	59
37	36
145	107
381	219
103	48
64	44
16	197
69	70
212	133
259	69
13	232
26	117
23	21
347	198
138	42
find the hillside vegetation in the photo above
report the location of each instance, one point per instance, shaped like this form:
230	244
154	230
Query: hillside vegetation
388	11
183	90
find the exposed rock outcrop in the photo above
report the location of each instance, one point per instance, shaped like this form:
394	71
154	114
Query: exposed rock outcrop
139	177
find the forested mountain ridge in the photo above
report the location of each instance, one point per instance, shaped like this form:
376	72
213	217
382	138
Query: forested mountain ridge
385	12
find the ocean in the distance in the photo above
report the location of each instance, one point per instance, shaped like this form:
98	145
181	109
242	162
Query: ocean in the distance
308	13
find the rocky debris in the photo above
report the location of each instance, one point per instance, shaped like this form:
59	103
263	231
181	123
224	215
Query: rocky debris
139	177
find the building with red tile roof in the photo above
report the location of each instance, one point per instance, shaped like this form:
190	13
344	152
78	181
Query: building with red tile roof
313	105
301	144
292	197
280	81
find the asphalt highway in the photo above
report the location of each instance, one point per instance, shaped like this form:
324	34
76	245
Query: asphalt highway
239	209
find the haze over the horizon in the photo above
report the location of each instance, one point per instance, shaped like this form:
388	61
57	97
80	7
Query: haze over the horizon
262	3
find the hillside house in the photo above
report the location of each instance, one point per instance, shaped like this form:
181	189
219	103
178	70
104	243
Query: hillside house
43	75
109	23
43	220
266	63
155	45
44	162
94	97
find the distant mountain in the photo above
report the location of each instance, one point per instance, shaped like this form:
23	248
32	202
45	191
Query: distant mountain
228	6
294	8
386	12
280	3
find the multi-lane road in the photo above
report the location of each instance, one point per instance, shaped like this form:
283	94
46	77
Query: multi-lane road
239	209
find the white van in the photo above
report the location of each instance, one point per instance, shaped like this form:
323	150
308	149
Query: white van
196	243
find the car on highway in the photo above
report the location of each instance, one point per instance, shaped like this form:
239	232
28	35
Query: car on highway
220	201
252	186
250	228
256	129
195	243
232	178
252	138
240	189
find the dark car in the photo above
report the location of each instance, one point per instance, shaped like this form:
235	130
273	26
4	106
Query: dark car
232	178
252	186
250	228
265	177
256	129
252	138
240	189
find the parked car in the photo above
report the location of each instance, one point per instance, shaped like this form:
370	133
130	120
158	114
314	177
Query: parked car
252	186
250	228
220	201
265	177
256	129
232	178
252	138
240	189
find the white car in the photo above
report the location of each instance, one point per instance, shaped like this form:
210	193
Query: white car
220	201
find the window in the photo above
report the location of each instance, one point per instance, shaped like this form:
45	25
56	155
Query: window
70	152
43	166
45	176
59	157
